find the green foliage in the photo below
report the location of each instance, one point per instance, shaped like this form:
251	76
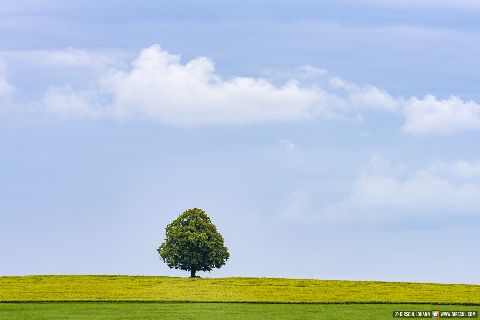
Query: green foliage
193	243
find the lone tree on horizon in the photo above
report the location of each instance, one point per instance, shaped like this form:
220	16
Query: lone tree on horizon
193	243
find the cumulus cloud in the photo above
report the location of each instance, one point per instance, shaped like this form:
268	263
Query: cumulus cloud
159	87
388	195
365	97
379	198
430	115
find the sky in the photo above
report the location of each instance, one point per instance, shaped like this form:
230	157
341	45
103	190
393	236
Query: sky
326	140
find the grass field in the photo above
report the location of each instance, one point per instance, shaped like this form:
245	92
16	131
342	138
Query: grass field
167	289
204	311
129	297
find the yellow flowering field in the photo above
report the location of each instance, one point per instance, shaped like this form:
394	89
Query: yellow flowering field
255	290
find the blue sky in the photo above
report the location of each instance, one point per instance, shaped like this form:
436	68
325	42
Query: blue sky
325	140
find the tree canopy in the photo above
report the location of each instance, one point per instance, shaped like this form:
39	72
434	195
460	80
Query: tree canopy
193	243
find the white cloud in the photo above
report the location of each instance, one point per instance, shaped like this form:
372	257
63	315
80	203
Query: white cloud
158	87
365	97
161	88
389	196
460	169
65	58
430	115
378	198
76	57
65	102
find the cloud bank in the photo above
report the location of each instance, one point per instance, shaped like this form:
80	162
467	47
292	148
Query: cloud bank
446	191
420	197
159	87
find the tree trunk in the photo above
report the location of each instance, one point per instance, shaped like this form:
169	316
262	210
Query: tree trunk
192	273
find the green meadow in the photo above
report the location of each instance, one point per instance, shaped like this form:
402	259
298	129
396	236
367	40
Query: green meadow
142	297
204	311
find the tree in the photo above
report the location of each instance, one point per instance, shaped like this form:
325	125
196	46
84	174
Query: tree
193	243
